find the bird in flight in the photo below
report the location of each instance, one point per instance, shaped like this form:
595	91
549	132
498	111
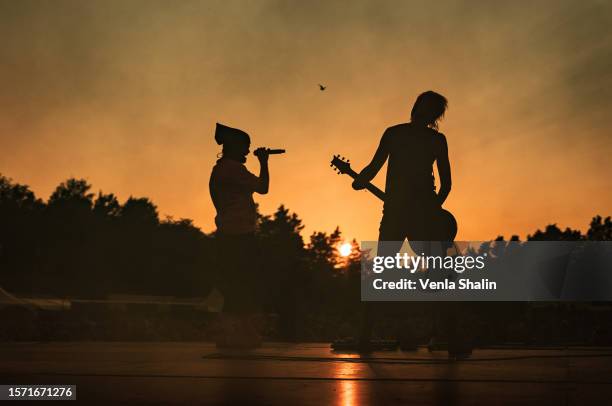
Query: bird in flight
321	87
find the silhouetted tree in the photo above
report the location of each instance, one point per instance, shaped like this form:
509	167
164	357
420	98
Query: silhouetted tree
283	271
183	257
106	205
72	198
554	233
323	248
20	228
139	212
600	229
499	247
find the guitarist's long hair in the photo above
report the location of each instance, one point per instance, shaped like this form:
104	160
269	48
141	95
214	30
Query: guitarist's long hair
428	109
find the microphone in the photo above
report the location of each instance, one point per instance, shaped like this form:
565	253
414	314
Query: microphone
268	151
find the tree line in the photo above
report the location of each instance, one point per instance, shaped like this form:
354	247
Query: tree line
81	244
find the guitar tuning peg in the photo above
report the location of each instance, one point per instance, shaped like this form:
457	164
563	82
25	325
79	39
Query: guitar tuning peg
348	160
331	165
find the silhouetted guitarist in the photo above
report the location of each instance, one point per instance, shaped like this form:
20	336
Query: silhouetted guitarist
411	202
412	206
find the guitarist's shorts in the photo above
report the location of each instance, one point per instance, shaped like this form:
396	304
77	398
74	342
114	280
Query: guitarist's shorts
420	224
414	219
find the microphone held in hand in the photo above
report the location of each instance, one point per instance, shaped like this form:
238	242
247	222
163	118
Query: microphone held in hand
270	151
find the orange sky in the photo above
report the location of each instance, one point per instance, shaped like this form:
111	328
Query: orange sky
126	95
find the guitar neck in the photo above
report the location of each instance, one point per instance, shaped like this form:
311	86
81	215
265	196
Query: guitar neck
371	188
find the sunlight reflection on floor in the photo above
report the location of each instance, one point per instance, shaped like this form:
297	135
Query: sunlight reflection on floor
348	390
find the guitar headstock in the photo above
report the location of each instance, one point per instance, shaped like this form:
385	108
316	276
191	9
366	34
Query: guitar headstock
341	164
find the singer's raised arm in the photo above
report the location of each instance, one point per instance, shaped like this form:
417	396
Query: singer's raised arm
263	183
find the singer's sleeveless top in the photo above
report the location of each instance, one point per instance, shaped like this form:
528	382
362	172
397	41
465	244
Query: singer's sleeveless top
231	189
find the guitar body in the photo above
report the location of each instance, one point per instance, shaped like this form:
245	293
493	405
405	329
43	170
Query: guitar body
447	225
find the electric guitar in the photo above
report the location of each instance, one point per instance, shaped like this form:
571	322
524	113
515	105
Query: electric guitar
445	223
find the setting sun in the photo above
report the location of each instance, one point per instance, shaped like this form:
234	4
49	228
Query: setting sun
345	249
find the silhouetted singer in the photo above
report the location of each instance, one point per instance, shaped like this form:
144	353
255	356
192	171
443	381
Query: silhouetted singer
231	189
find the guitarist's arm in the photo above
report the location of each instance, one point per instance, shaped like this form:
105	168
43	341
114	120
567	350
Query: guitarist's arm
369	172
444	171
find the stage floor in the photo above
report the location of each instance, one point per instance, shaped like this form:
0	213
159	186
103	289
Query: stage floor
296	374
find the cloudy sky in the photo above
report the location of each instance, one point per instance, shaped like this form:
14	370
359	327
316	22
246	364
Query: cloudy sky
127	93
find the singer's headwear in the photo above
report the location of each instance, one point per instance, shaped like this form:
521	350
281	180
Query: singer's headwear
229	135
